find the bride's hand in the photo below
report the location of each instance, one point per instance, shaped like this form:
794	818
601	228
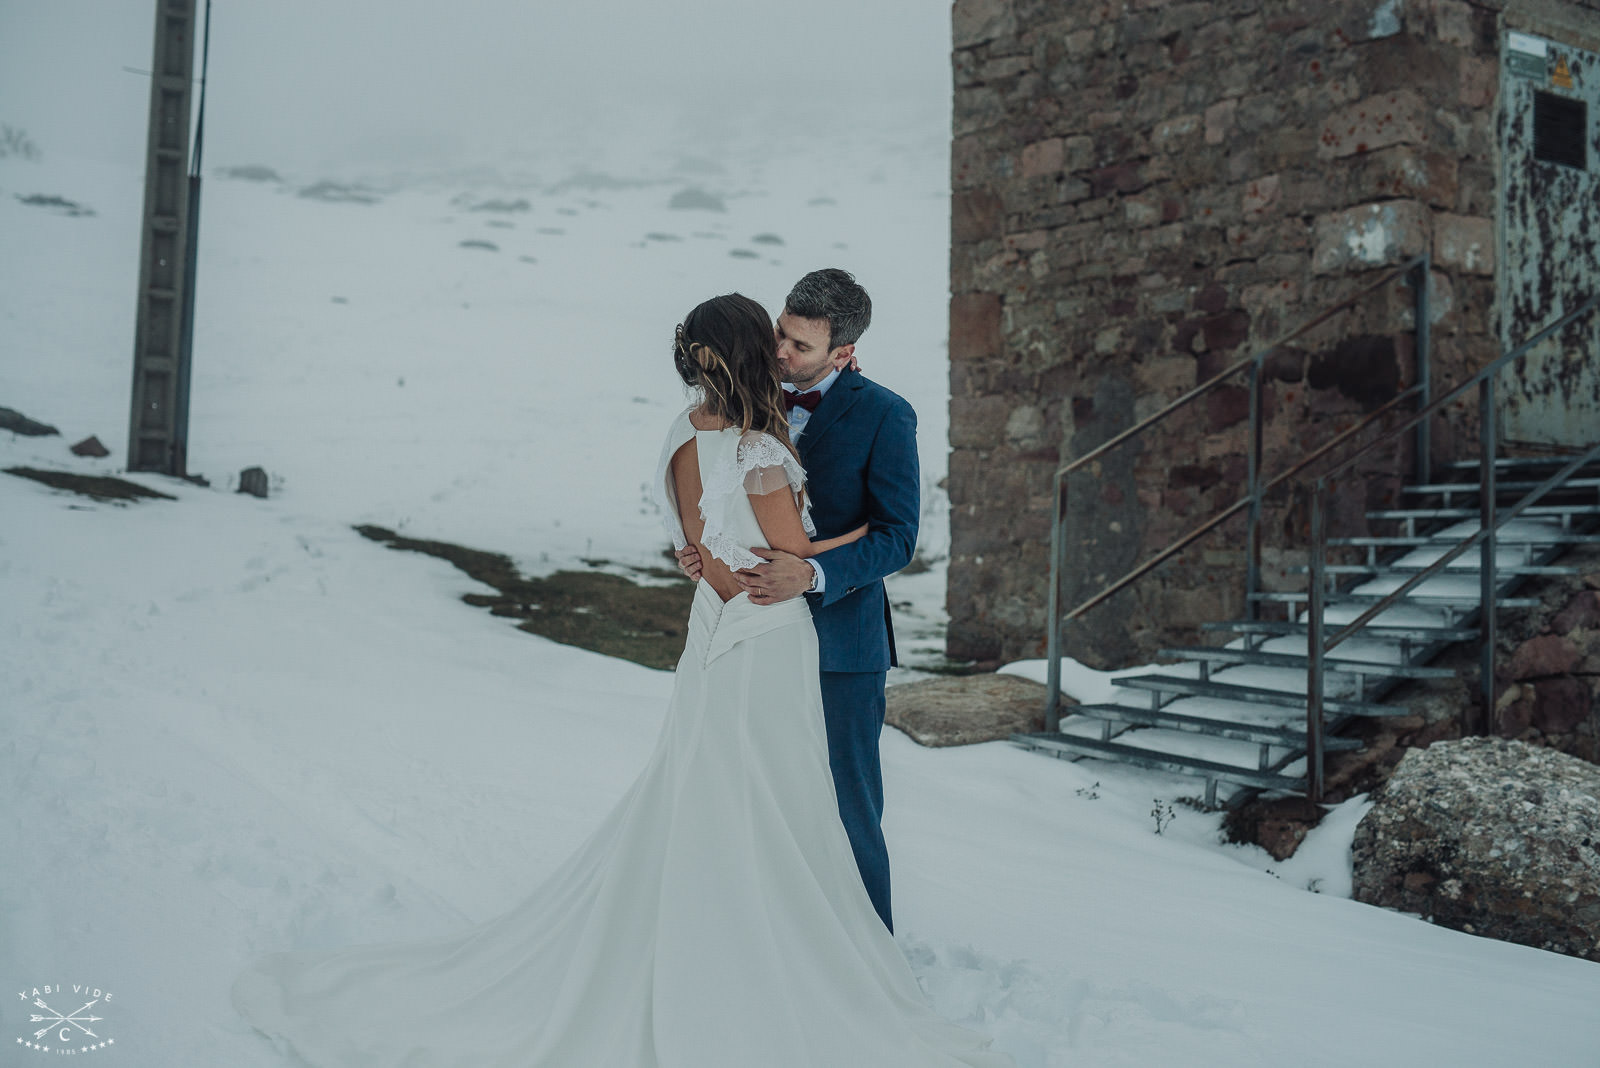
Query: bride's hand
689	562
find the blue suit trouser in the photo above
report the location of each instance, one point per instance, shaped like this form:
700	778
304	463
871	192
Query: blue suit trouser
853	706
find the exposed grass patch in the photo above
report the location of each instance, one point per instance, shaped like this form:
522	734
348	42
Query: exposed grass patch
605	613
100	487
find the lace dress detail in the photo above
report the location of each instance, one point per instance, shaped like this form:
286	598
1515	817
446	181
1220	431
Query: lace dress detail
758	464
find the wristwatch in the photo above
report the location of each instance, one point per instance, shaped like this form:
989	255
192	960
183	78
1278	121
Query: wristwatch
813	587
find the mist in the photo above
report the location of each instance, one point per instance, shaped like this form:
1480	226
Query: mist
338	88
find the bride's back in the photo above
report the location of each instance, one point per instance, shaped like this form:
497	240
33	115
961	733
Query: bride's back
692	464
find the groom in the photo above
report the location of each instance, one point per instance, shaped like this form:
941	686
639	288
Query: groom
858	444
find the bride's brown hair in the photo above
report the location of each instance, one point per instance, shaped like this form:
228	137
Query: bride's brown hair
726	349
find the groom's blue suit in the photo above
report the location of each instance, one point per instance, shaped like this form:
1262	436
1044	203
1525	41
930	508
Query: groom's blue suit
859	449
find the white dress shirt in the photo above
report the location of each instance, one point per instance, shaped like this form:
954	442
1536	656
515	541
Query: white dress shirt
798	418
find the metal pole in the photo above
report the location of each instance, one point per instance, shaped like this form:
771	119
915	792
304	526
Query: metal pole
1314	610
180	421
1487	433
155	411
1253	534
1052	699
1424	370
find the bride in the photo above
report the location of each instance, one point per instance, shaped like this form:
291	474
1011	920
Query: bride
715	918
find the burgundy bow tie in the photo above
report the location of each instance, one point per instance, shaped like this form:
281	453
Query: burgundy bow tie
808	401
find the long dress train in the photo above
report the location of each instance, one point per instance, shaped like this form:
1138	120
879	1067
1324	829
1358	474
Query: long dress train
714	919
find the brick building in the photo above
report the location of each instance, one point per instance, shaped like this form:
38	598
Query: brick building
1144	192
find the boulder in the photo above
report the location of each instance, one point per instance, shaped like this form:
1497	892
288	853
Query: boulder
1543	656
961	710
90	446
1582	611
1489	836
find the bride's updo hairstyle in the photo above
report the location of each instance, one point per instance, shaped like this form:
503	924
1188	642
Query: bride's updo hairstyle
725	348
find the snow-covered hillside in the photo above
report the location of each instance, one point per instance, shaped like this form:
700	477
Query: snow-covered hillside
230	726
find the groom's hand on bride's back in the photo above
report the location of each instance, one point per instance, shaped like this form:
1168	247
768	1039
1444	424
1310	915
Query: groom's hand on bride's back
689	562
784	575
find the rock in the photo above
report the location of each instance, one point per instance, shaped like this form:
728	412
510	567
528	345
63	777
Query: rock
1277	825
1582	611
1560	704
966	709
695	200
59	205
253	480
338	193
520	204
250	172
17	423
90	446
1493	837
1545	655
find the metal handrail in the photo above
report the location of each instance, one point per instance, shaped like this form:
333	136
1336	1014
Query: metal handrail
1417	269
1228	513
1485	372
1490	520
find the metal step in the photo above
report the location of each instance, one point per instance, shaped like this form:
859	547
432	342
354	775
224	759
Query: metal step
1514	486
1415	600
1281	737
1515	463
1388	631
1068	746
1398	570
1299	660
1531	512
1554	537
1224	691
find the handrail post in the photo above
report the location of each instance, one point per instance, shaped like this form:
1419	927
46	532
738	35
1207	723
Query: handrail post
1314	665
1424	369
1052	699
1489	580
1253	533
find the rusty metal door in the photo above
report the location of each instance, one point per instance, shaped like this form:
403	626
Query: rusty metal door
1549	238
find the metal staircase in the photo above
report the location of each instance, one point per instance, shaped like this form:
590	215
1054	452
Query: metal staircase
1261	713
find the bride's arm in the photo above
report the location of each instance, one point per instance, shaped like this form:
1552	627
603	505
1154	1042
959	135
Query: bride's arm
780	523
833	543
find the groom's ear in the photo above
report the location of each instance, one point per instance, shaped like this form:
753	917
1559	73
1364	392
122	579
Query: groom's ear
841	356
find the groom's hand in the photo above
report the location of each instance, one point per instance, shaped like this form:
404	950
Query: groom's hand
783	576
689	562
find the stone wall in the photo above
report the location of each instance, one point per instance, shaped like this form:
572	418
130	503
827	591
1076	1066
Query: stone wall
1144	192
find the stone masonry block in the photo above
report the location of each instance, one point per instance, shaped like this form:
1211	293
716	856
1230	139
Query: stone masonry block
974	326
1408	172
1370	235
1219	121
1043	157
1464	243
975	215
1261	196
973	22
1375	122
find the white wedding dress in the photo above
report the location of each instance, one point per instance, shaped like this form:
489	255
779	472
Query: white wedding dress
714	919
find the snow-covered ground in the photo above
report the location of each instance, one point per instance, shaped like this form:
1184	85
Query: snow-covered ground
230	726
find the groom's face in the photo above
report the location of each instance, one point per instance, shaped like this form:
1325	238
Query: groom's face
803	352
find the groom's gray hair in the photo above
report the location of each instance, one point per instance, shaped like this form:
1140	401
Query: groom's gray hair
833	295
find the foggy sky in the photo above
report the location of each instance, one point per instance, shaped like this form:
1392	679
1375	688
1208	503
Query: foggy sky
344	84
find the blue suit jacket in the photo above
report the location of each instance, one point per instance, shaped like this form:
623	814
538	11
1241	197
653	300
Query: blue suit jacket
859	449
